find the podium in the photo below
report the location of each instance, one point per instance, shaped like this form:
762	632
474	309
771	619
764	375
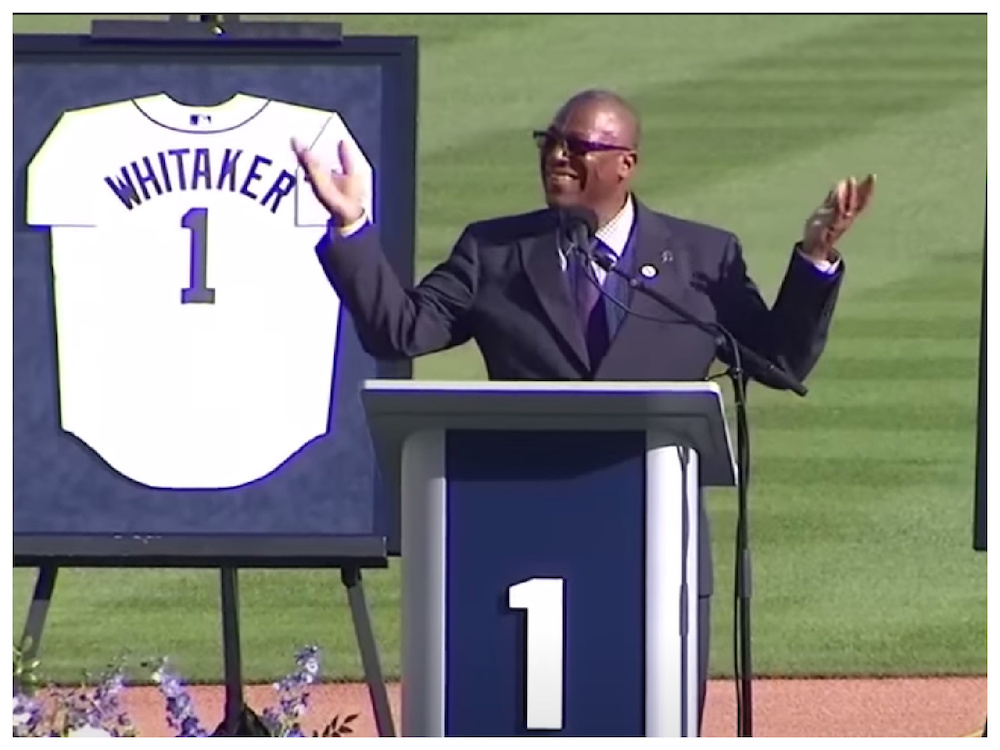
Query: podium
549	551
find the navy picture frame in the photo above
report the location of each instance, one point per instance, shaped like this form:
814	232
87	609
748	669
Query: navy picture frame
396	59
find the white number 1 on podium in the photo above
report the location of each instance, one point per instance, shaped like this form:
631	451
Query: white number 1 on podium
542	601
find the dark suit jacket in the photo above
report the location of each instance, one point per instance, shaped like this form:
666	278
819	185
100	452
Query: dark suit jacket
503	287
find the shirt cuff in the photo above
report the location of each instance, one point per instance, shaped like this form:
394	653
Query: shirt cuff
826	267
351	229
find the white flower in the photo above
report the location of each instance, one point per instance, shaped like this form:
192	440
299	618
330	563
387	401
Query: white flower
21	713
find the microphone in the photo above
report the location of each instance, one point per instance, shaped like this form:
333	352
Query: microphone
579	225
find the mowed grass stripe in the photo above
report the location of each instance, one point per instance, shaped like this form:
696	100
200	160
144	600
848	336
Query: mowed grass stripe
919	326
875	348
926	368
861	576
881	416
763	108
97	615
831	528
864	459
915	305
885	628
838	473
951	286
518	75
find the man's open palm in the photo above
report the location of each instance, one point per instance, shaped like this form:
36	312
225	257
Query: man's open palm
340	191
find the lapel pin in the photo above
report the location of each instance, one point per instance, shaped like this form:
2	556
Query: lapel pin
666	256
648	271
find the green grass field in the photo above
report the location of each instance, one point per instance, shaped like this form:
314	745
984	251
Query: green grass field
862	492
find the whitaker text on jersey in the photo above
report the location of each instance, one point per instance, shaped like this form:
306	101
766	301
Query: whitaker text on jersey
187	169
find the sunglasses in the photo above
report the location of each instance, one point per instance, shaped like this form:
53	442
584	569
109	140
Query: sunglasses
548	139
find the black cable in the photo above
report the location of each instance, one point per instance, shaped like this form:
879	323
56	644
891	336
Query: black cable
742	664
743	671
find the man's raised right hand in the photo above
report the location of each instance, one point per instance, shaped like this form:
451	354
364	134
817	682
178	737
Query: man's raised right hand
341	192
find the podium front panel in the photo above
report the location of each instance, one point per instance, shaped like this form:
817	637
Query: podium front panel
546	583
550	583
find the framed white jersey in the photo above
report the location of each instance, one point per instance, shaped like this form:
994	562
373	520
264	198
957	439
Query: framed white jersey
185	379
196	334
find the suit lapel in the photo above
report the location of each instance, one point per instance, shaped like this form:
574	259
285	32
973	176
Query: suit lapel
540	260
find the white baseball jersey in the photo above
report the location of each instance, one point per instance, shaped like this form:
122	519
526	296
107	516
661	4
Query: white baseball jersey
196	330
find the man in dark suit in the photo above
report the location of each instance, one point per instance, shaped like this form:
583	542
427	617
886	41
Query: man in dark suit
534	310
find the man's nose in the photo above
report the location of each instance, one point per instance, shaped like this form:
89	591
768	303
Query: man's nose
557	155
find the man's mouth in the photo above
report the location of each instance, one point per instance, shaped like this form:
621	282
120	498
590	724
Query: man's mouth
561	178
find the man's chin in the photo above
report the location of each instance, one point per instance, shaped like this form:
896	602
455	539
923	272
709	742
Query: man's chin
560	200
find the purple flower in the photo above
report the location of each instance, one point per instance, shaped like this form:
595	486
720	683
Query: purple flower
27	715
293	694
180	708
97	711
307	660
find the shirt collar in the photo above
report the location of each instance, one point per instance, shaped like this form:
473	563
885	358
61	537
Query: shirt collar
614	235
616	232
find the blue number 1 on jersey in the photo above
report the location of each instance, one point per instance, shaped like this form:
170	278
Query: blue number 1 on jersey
196	222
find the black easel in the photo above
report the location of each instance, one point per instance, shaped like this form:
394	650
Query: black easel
235	720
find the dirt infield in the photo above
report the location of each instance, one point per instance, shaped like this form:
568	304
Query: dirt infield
941	707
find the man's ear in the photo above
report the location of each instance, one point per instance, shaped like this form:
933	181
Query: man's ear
627	164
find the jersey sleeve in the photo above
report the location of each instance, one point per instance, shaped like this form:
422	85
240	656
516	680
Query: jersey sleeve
57	191
308	211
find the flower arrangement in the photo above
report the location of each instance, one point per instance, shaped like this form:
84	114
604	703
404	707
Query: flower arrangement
95	709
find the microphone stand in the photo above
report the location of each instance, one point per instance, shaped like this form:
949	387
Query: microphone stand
772	375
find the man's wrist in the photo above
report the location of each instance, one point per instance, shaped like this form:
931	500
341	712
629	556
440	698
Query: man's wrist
827	260
350	228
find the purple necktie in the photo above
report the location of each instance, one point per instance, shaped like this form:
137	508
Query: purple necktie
590	306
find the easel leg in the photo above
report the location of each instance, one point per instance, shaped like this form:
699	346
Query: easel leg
39	609
351	578
231	650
